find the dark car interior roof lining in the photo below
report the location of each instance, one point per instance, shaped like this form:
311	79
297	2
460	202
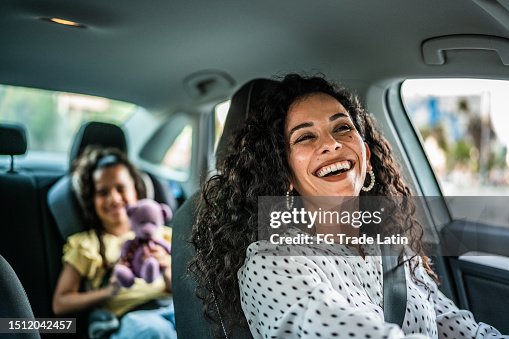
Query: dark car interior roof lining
175	40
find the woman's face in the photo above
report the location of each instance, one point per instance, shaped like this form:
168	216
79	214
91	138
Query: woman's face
327	155
114	190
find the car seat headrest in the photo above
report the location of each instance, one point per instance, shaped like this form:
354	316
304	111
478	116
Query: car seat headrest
13	140
97	133
243	101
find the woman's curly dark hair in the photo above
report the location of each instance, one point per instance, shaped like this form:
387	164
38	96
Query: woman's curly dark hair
83	183
256	165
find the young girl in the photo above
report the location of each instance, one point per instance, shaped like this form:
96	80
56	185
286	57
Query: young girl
106	183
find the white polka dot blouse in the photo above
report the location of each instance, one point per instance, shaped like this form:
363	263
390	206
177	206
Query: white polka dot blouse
320	294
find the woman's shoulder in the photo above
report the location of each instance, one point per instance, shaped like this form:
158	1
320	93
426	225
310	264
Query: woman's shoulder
420	275
263	254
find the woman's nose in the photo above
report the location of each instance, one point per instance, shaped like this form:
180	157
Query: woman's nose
329	144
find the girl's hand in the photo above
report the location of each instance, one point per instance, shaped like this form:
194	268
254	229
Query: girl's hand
113	286
161	256
164	260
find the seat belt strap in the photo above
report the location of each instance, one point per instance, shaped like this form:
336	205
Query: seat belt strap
395	292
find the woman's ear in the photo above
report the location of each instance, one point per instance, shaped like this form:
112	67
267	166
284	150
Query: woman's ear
368	157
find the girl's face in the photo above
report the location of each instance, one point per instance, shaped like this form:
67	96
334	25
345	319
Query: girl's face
327	155
114	191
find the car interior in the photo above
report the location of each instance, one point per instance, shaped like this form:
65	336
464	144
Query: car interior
169	83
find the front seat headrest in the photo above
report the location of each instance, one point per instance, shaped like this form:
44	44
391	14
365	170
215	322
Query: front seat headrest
247	98
188	307
13	140
97	133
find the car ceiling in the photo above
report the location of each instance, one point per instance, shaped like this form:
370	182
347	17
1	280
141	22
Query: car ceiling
143	51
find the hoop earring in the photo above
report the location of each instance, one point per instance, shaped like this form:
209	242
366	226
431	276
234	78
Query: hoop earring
371	183
289	199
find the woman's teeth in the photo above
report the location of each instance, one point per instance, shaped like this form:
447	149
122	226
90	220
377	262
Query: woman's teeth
339	167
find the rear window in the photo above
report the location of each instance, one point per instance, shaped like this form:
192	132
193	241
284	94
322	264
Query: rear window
52	118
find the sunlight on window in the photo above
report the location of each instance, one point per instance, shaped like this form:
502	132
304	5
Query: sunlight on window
464	124
220	113
52	118
178	156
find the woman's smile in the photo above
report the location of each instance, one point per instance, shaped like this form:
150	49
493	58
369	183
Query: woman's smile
327	156
335	168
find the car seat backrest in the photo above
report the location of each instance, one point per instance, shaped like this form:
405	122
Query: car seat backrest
21	240
188	307
14	302
97	133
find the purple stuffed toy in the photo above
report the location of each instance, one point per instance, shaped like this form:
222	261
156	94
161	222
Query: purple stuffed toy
147	218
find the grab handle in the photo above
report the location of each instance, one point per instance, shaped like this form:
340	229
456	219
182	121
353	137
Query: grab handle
433	50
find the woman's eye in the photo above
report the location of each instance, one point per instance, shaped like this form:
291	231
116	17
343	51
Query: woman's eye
342	128
303	138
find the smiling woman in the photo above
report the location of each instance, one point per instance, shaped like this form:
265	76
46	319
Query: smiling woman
311	139
314	146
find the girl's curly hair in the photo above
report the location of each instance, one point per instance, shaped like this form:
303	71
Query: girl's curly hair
256	165
83	183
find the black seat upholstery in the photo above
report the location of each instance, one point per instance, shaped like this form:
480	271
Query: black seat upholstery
62	199
97	133
188	308
14	302
21	240
13	141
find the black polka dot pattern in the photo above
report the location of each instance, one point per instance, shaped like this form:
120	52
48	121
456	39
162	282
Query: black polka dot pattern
318	295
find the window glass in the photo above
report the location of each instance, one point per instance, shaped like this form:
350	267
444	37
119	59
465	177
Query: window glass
52	118
178	157
220	113
464	128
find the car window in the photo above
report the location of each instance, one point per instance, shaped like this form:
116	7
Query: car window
464	130
52	118
220	113
179	155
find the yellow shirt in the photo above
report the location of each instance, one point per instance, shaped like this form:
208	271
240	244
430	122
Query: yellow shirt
82	252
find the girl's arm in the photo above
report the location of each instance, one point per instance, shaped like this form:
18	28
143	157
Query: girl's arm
67	299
